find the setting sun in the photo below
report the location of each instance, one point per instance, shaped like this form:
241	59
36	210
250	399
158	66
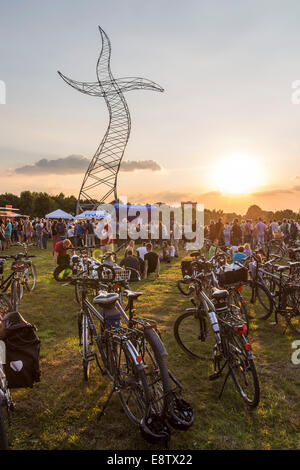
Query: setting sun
237	174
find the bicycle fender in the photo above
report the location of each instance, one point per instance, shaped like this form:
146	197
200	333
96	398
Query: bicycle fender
155	340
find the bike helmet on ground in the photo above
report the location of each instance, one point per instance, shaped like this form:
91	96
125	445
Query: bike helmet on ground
179	414
154	429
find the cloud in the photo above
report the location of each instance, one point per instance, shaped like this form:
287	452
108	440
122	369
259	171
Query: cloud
131	165
273	192
70	165
75	164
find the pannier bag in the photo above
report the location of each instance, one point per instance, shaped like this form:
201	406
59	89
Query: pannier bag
22	366
232	274
112	315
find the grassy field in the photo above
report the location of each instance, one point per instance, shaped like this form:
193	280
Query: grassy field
60	411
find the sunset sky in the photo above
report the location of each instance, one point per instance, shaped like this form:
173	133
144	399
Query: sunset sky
224	133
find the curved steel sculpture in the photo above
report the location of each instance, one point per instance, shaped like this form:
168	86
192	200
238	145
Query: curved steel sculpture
100	179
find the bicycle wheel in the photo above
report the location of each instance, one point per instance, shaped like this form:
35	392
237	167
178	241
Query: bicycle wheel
5	305
243	370
16	294
194	335
62	273
292	310
3	435
133	391
86	348
259	300
238	305
30	277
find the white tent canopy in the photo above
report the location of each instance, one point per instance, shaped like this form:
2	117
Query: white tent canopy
59	214
93	215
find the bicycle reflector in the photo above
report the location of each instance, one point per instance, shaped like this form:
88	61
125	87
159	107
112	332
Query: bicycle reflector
139	359
241	329
248	347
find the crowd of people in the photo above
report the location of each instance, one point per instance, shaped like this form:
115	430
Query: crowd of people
251	232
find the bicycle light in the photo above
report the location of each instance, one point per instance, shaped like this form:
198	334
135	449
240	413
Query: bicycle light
241	329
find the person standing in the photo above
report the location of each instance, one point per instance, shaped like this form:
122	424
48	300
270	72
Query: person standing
61	230
90	233
219	229
261	227
45	236
236	233
226	234
8	233
38	233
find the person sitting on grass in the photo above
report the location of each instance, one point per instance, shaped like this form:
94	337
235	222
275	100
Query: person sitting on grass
152	262
239	255
213	249
165	255
131	262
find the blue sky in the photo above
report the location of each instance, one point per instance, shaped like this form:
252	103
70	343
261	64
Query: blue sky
226	67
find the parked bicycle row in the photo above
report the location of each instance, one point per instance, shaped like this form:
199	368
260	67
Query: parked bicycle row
128	348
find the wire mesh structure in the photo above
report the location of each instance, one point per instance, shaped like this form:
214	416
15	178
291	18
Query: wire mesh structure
100	180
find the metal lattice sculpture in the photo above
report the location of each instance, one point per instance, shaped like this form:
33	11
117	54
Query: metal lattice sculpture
100	180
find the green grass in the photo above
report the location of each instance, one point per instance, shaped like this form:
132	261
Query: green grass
60	412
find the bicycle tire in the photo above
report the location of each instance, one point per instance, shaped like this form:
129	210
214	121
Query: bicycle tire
86	349
239	302
260	302
3	434
245	364
33	275
132	380
15	294
58	270
185	332
291	302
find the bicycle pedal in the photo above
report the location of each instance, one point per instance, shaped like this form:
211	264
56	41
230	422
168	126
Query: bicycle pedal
215	376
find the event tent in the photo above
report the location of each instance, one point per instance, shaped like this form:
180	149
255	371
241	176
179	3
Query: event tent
93	215
59	214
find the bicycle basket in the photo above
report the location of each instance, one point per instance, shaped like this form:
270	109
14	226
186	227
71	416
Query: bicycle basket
188	268
232	274
19	266
122	275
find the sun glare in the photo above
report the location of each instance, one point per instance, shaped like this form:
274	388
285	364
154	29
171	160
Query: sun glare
237	174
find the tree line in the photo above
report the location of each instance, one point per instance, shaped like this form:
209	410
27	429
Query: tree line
36	204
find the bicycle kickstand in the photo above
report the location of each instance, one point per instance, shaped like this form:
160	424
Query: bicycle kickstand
224	383
113	389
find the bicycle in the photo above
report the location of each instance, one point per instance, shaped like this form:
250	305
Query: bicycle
120	359
145	338
17	279
214	328
30	272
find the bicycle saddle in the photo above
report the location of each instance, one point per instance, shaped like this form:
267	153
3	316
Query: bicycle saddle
195	254
219	294
280	269
294	264
131	294
105	298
